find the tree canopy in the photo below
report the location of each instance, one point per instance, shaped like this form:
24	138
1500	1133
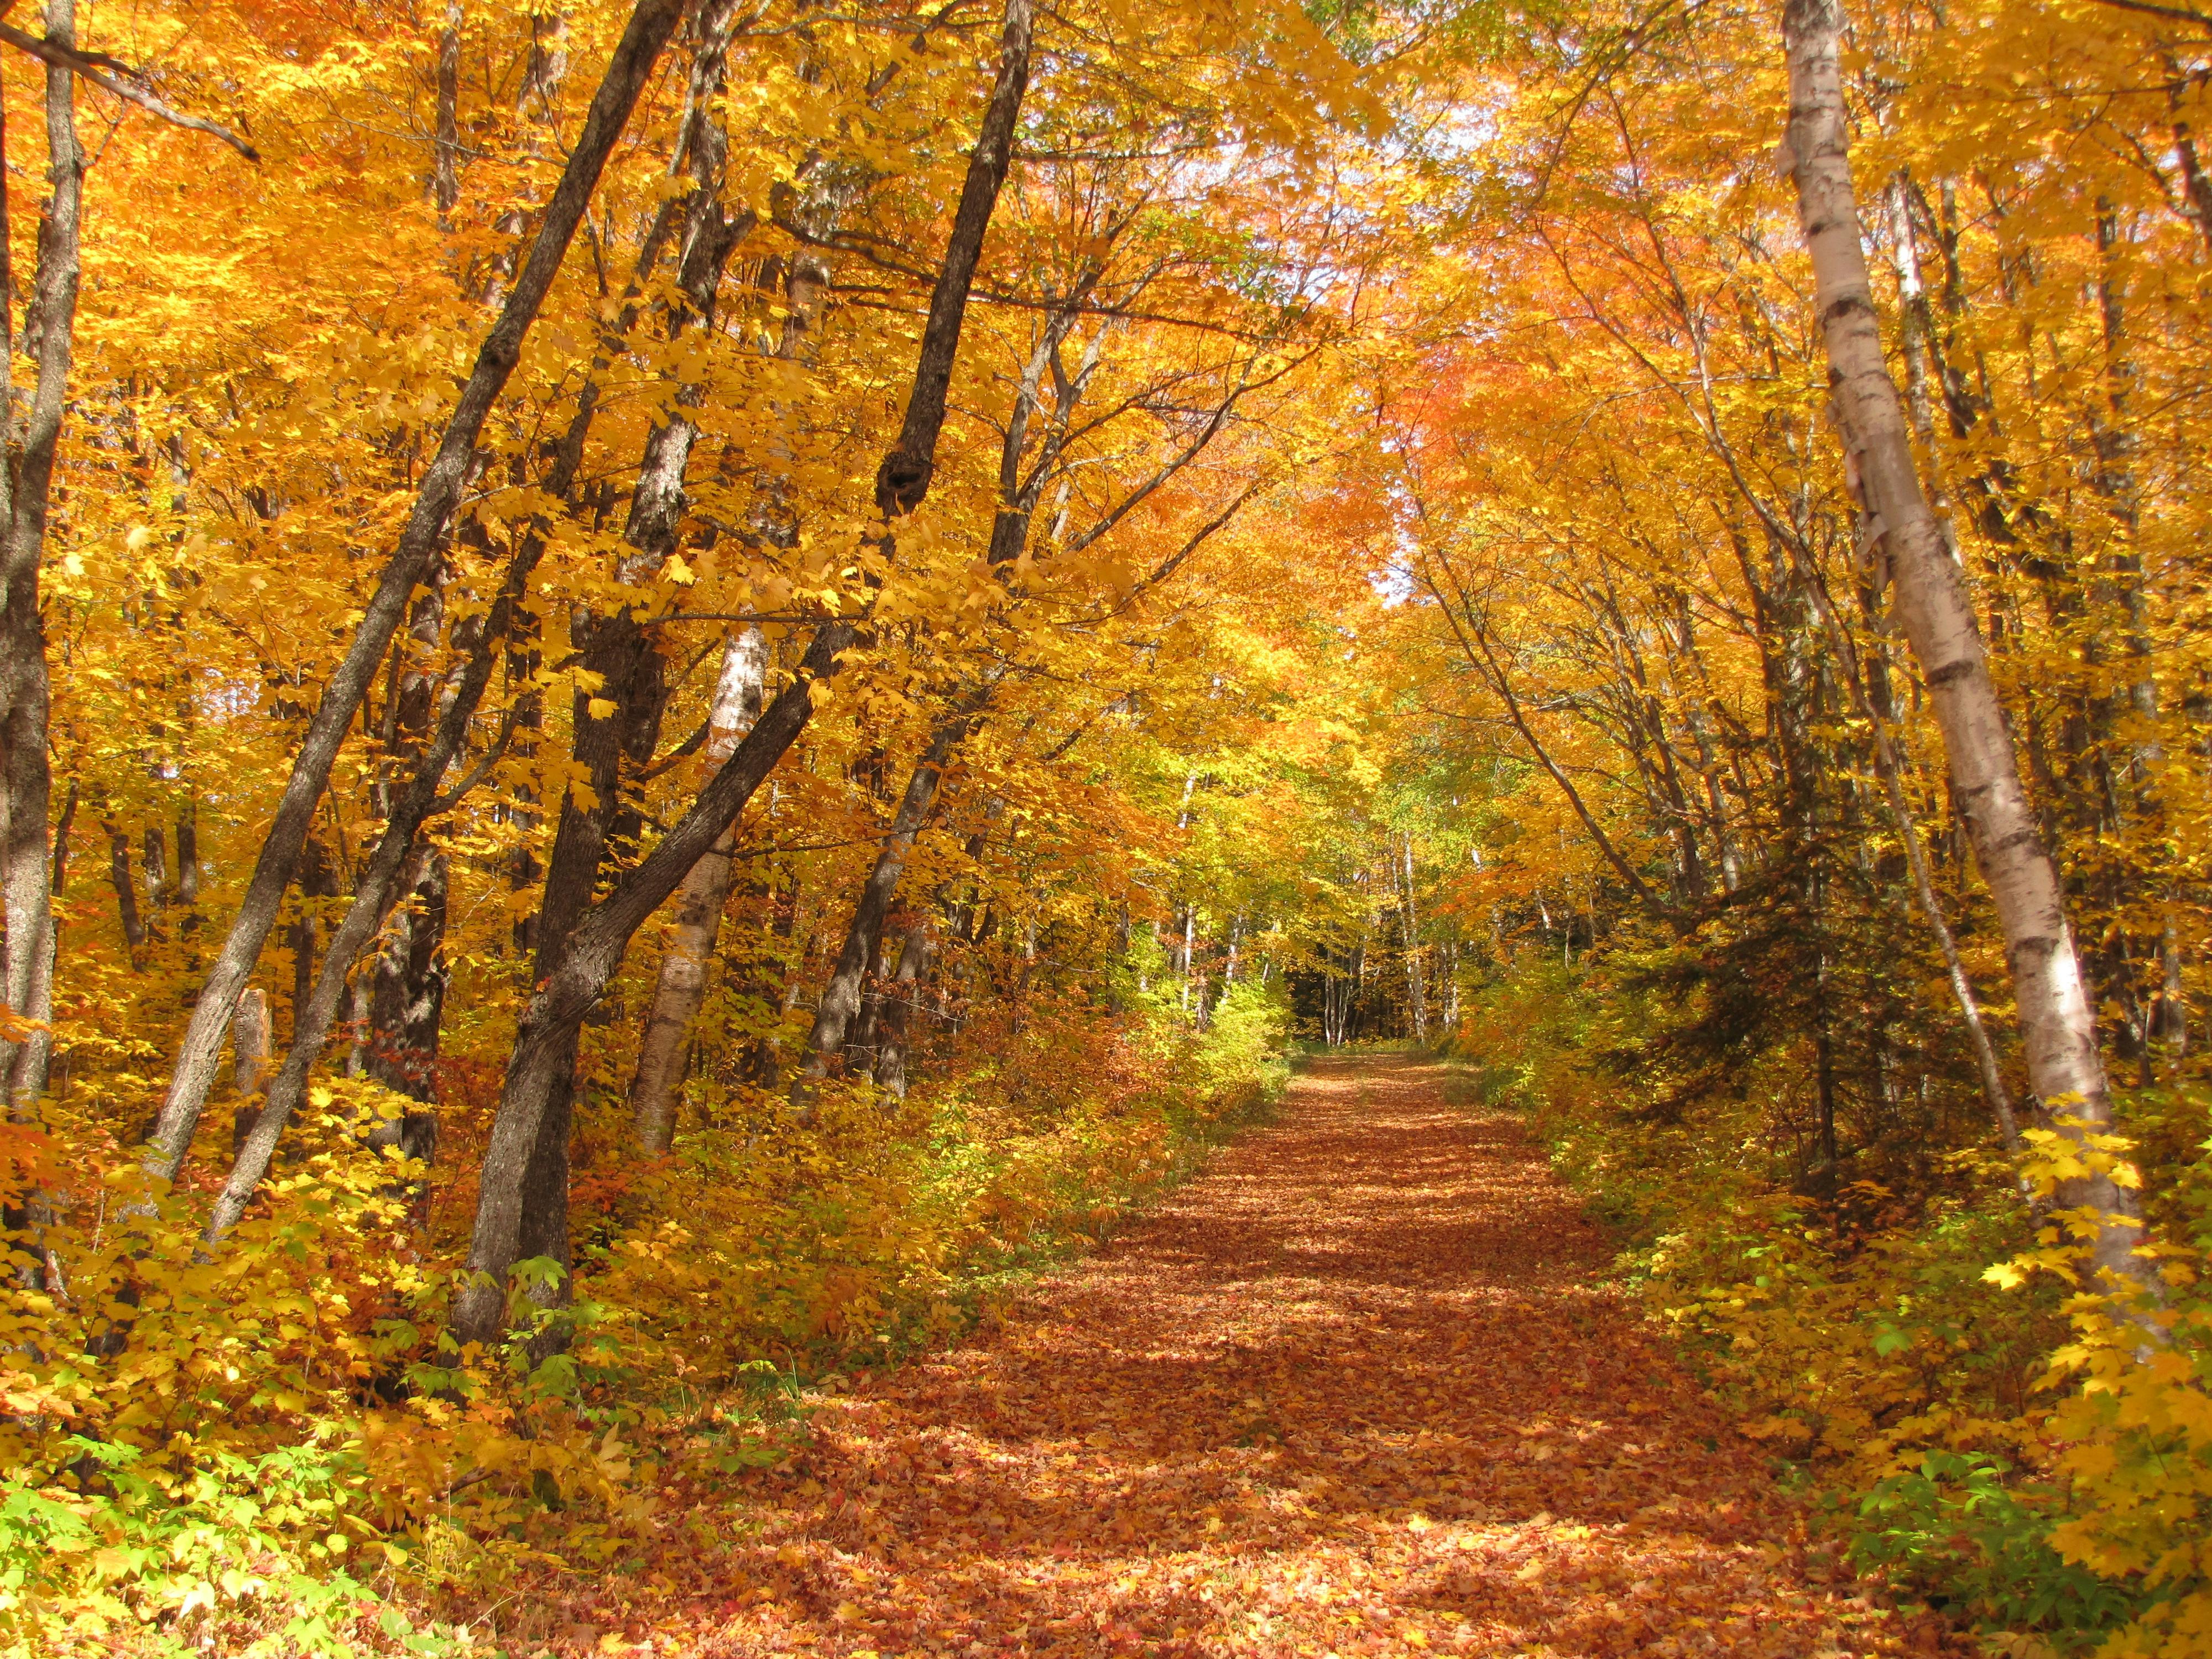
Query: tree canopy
677	684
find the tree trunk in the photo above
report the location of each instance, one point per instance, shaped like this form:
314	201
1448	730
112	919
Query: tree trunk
682	985
517	1202
372	893
513	1208
648	30
445	163
847	1018
406	984
188	861
407	1002
253	1047
27	956
126	891
900	1005
841	997
153	859
1923	885
318	880
1415	989
2057	1020
620	718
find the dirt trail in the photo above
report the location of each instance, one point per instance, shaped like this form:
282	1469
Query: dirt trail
1348	1392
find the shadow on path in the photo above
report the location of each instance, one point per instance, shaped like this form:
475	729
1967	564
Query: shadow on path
1349	1392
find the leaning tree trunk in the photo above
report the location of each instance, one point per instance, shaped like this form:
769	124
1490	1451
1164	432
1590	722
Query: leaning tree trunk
413	1000
621	720
845	1022
406	981
631	68
682	985
2057	1019
379	881
840	1006
513	1208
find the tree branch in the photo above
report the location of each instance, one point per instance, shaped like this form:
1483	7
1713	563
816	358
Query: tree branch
131	90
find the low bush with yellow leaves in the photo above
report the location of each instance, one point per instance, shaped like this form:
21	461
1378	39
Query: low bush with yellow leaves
882	1225
261	1448
1984	1428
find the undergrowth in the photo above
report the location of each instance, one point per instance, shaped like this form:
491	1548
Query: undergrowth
1982	1432
269	1449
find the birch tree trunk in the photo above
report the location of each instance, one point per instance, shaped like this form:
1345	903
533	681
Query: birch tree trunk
2057	1019
841	997
682	985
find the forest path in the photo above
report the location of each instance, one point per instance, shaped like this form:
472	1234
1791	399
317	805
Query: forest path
1349	1391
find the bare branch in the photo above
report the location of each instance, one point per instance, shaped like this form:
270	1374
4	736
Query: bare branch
131	88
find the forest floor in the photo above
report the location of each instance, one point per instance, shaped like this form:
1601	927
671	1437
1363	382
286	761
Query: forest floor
1354	1390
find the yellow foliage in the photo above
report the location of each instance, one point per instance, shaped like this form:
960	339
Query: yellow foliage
1889	1352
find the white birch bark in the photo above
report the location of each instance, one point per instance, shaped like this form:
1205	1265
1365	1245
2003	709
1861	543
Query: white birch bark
2057	1020
682	985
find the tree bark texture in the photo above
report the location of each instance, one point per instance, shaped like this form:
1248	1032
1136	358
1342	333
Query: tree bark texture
620	718
407	1001
27	959
2057	1020
253	1050
902	479
446	165
542	1066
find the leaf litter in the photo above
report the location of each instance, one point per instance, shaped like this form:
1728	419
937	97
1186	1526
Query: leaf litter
1353	1390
